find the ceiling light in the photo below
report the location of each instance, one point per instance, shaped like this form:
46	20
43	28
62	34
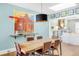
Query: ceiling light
62	6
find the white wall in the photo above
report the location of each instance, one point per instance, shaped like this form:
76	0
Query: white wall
52	23
77	27
42	29
71	25
68	38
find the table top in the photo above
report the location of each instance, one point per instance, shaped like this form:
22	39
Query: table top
35	44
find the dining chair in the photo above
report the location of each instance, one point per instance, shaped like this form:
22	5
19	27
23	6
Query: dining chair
39	37
18	50
55	47
30	38
46	49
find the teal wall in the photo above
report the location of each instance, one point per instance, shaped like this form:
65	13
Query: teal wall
42	28
6	26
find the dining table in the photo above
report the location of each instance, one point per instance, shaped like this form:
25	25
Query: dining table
32	46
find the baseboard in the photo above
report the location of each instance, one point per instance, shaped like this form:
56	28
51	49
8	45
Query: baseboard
72	43
7	51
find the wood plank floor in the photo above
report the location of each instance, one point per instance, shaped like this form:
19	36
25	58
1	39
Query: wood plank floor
67	50
70	50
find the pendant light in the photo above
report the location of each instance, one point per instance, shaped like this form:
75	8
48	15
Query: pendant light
41	16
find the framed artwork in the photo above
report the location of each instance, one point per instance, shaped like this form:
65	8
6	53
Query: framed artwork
64	13
61	23
77	10
57	15
52	16
22	23
71	12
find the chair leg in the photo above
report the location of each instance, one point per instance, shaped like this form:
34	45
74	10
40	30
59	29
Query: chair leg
60	49
17	54
52	52
55	52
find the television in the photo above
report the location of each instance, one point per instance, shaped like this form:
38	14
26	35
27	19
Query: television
41	17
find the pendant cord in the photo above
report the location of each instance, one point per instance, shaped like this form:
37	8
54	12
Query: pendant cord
41	6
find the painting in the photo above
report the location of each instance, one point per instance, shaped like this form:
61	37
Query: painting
61	23
23	23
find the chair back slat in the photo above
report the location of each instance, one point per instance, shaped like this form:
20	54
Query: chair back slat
57	42
18	49
39	37
30	38
47	46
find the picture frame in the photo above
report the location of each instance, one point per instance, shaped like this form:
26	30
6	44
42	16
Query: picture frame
71	12
64	13
57	15
77	10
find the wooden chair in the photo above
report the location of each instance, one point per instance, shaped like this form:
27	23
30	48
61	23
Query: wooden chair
18	50
39	37
45	50
30	38
55	47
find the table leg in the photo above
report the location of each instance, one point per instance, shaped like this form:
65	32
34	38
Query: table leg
60	49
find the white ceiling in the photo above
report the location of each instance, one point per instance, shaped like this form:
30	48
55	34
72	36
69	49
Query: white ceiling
37	6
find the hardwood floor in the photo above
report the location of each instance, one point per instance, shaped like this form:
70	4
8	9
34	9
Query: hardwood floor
70	50
9	54
67	50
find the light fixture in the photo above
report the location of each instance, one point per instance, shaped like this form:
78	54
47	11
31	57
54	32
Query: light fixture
41	16
62	6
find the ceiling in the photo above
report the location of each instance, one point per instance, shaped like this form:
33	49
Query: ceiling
37	7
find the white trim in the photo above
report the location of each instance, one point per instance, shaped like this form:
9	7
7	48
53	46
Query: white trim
7	51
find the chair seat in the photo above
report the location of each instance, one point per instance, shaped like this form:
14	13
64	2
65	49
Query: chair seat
45	49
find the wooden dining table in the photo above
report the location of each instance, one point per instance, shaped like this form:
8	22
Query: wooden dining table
34	45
